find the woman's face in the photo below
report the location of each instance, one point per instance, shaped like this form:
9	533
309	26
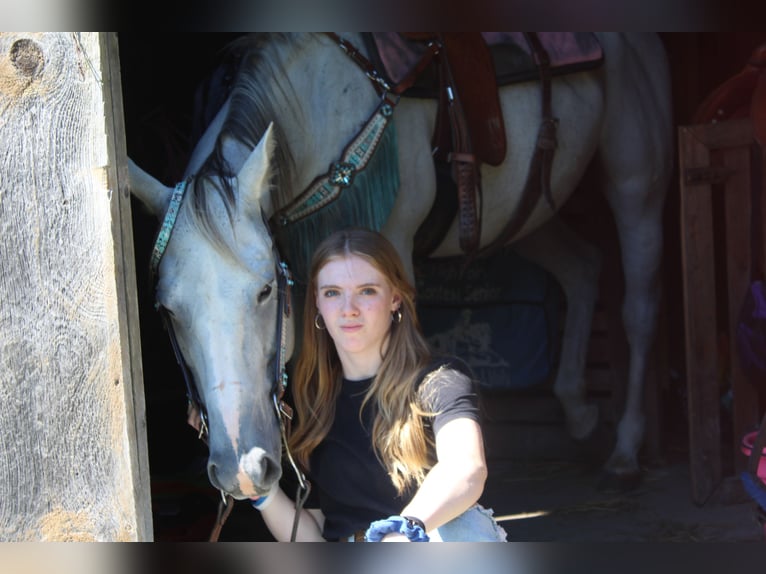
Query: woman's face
356	302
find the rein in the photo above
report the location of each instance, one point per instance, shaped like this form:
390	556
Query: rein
283	411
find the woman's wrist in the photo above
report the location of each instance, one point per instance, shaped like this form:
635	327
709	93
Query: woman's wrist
263	502
413	522
411	527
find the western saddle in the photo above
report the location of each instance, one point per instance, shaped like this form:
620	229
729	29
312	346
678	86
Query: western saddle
460	69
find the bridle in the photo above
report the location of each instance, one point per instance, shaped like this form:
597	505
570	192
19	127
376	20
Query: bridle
284	411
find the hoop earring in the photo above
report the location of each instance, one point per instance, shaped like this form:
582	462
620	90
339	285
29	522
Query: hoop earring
322	326
396	316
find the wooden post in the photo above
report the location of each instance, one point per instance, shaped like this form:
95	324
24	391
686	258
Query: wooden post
713	157
73	455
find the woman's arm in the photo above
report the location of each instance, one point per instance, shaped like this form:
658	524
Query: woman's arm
455	482
279	512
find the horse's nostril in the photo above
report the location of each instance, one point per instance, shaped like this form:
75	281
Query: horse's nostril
259	469
272	471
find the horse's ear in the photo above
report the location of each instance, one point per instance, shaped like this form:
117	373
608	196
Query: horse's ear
255	176
153	194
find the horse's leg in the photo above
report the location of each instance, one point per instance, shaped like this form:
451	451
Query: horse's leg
640	232
636	158
576	265
638	214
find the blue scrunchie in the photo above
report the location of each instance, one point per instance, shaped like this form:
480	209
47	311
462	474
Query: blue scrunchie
411	529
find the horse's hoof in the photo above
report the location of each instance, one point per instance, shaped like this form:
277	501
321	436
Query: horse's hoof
619	483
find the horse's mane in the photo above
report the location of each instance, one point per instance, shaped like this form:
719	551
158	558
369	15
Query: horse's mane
258	84
259	95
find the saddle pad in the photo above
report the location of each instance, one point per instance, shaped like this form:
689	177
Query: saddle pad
395	55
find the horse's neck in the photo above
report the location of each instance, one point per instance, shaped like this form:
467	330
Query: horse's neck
322	101
333	100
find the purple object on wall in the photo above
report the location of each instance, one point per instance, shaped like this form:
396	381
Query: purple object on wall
751	331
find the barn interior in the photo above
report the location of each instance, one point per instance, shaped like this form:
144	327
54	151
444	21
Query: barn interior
540	483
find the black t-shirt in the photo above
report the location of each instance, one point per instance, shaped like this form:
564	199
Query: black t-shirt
349	484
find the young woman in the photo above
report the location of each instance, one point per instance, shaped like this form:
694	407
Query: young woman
388	435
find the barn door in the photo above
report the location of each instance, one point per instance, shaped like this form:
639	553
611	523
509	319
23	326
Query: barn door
73	460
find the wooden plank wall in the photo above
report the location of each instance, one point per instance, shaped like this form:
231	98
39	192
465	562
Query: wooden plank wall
73	461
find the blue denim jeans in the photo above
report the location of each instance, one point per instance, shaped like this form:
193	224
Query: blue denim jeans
476	524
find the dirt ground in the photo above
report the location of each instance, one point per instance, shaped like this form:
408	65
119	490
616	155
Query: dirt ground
558	500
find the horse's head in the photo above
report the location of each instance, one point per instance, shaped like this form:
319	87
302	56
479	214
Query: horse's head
219	286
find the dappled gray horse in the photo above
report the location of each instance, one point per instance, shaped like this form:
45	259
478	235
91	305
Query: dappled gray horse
296	107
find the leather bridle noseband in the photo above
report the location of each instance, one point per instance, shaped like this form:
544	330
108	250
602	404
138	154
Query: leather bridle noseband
284	411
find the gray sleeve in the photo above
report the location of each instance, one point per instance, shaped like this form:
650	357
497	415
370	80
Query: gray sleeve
449	394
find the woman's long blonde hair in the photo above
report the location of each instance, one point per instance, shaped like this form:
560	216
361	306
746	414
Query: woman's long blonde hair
398	433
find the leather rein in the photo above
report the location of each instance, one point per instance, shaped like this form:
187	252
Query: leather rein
284	412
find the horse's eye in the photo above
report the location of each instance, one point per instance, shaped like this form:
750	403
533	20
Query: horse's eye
264	294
